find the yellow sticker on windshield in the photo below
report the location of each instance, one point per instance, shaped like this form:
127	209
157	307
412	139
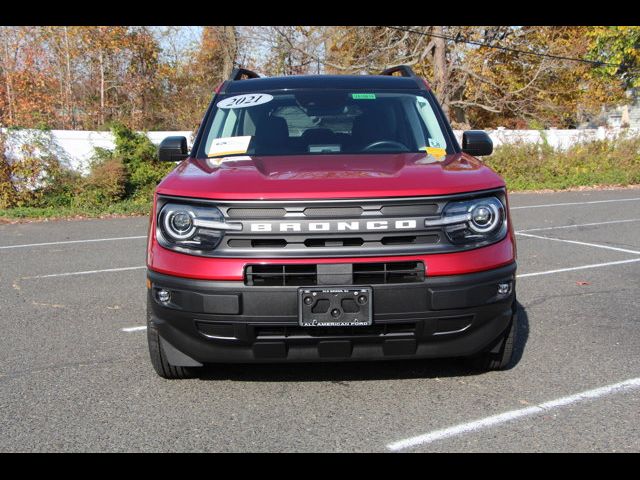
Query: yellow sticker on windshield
437	152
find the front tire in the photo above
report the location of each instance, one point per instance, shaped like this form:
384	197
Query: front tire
500	359
158	358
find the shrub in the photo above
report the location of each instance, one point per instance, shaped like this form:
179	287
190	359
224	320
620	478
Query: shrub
140	159
539	166
104	185
32	178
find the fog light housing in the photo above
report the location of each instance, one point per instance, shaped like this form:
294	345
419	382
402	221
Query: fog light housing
163	296
504	288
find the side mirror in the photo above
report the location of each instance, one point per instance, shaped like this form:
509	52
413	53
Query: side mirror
477	143
173	149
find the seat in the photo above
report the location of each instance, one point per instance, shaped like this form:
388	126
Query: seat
271	136
314	136
373	125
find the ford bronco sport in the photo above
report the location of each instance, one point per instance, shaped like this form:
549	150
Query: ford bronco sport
329	218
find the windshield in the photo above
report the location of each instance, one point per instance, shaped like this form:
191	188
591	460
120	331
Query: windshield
322	122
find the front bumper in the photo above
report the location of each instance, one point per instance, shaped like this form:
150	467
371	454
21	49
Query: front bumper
219	321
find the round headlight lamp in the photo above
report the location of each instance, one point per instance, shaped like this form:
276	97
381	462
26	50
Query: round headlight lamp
484	217
192	228
178	224
477	221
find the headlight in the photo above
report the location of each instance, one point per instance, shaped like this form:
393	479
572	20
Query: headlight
191	226
481	220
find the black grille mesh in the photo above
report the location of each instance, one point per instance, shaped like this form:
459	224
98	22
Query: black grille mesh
307	275
333	212
245	213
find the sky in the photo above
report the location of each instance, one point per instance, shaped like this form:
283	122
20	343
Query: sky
176	39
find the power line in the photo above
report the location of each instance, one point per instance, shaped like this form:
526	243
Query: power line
460	39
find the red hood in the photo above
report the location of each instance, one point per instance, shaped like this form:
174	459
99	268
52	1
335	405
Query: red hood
330	176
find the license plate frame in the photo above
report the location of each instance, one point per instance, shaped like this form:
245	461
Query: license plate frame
353	311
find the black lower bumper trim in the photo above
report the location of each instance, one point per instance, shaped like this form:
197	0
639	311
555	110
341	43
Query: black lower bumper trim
440	317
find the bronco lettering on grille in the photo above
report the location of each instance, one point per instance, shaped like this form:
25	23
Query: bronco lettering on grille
335	226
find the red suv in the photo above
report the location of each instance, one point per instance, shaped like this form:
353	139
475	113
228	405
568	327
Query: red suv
329	218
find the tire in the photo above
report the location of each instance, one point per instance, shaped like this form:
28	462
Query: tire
501	360
158	358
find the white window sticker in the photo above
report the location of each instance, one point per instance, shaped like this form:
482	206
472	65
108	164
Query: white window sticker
229	146
243	101
433	142
324	148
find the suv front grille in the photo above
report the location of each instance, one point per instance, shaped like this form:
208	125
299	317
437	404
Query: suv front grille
341	228
307	275
333	228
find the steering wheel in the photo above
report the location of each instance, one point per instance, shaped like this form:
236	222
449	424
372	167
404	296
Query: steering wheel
379	143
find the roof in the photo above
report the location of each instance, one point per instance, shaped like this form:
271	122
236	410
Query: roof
374	82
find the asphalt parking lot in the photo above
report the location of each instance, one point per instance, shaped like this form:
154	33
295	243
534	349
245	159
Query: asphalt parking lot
75	373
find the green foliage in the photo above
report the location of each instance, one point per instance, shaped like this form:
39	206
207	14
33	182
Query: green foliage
124	207
36	176
105	184
534	167
139	157
617	46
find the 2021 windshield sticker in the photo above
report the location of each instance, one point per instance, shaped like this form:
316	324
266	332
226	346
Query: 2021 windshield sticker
244	101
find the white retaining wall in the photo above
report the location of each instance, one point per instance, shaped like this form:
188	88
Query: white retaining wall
73	147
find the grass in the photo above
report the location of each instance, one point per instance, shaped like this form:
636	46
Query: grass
123	208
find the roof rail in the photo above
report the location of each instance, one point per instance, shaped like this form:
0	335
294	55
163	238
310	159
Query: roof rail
238	73
404	70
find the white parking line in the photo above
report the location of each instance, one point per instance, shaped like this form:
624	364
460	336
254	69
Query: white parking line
134	329
635	199
582	267
487	422
575	242
577	225
5	247
86	272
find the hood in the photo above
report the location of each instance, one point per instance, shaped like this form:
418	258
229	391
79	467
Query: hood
328	177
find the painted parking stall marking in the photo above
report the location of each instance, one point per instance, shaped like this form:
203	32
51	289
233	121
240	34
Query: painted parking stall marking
576	242
65	242
85	272
134	329
581	267
512	415
578	225
546	205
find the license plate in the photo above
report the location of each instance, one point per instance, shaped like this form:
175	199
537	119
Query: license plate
335	306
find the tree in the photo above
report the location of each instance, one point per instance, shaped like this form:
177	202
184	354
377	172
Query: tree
29	97
513	85
617	46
